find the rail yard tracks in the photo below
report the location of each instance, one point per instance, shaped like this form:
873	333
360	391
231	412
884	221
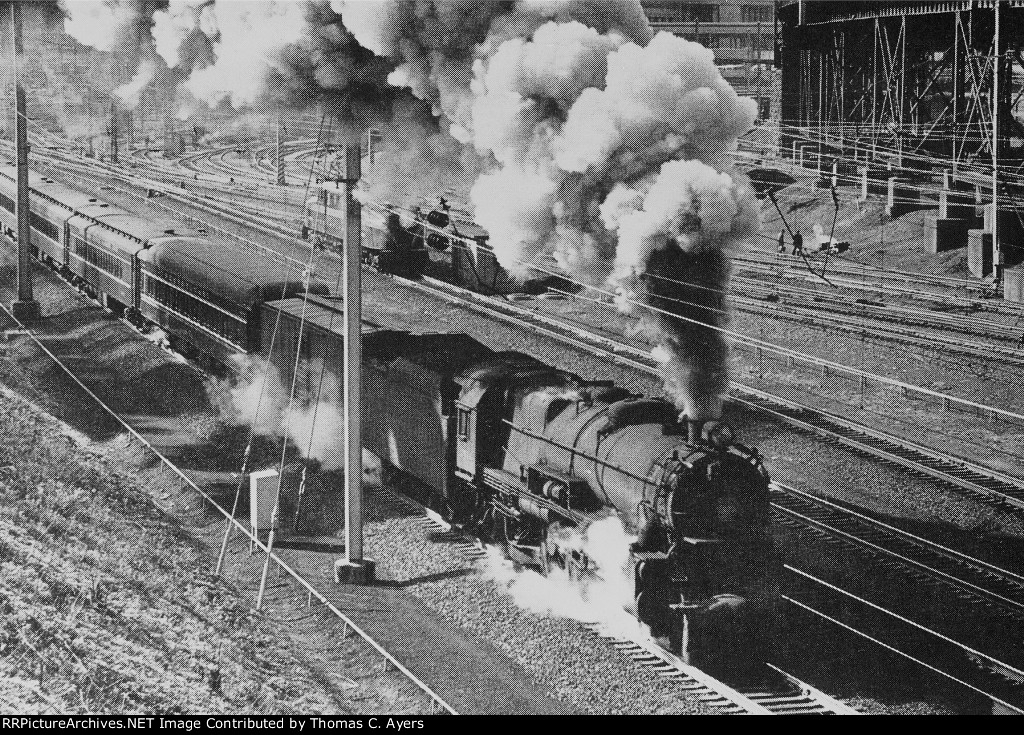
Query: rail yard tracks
964	475
992	592
958	472
776	693
984	586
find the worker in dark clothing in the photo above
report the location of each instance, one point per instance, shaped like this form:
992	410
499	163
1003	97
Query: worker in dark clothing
398	236
782	241
798	243
417	233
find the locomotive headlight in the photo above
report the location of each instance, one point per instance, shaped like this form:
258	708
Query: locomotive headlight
718	434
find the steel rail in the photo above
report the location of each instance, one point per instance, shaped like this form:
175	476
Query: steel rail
898	652
859	530
994	664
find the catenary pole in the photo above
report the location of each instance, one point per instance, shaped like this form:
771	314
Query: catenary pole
25	308
354	569
997	252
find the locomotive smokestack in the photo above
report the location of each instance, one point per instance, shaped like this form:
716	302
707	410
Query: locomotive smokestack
692	428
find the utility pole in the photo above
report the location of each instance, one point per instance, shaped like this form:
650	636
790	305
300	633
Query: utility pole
25	308
280	158
997	251
114	132
353	569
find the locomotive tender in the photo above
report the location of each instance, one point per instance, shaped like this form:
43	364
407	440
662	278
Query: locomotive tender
522	451
502	442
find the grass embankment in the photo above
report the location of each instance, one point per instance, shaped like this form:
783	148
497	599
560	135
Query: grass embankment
107	604
104	606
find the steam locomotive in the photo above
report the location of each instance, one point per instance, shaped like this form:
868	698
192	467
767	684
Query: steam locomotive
403	245
503	443
524	453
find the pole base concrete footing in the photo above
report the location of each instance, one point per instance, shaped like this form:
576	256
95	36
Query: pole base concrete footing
25	311
354	571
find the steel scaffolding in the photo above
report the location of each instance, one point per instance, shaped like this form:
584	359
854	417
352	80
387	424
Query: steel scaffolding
909	83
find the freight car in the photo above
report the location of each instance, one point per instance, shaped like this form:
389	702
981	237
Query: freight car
522	452
205	291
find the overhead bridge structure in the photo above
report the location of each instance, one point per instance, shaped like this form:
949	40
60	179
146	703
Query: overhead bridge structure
914	89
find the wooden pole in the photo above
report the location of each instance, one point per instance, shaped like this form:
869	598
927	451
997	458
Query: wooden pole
114	133
279	159
25	308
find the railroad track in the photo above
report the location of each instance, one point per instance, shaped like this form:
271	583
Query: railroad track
963	474
980	481
998	590
841	264
856	282
993	597
963	351
778	693
997	681
882	312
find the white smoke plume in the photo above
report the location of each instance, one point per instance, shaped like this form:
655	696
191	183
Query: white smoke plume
258	398
130	92
599	144
588	137
97	23
601	599
247	40
122	28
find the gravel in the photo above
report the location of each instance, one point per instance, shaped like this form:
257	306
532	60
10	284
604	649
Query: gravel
582	669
